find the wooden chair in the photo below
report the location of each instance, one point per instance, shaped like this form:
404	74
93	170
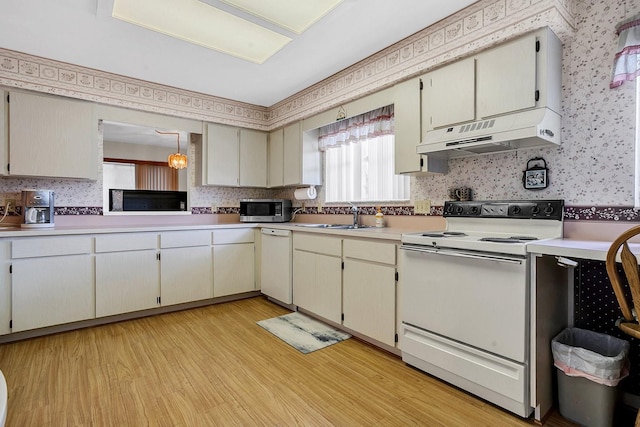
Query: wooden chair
629	322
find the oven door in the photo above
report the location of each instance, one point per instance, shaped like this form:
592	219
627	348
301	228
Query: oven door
478	299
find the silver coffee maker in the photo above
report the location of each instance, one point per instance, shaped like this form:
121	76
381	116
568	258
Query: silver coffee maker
37	208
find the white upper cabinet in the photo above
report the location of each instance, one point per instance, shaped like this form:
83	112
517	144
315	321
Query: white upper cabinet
406	99
276	159
293	173
221	157
51	137
448	95
253	158
294	158
234	157
518	75
506	78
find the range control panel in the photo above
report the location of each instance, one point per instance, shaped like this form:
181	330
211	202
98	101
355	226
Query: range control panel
525	209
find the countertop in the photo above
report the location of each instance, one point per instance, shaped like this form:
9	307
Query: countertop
385	233
570	248
66	231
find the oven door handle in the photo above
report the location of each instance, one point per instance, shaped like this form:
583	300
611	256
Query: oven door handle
481	256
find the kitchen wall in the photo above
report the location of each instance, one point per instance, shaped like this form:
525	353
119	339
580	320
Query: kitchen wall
592	170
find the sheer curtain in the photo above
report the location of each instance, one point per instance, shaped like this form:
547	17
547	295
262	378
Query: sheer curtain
154	177
360	159
626	67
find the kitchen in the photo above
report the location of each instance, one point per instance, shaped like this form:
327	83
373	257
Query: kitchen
592	170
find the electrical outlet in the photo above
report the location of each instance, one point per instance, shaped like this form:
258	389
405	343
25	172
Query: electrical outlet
422	207
214	208
10	205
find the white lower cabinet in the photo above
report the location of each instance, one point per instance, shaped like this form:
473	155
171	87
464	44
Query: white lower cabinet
127	273
185	267
233	261
317	275
369	289
5	286
52	281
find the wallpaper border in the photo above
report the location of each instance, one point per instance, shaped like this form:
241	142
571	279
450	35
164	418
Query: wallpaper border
571	213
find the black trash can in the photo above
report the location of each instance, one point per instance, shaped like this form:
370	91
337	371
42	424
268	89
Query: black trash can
590	367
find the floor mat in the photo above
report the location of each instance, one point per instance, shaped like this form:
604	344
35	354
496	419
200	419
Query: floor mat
303	332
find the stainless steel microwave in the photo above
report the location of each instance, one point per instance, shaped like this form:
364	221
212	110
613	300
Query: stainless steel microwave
265	210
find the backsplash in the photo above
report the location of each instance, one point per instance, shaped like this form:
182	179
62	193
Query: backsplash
592	170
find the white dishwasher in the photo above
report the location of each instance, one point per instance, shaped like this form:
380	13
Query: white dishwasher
276	265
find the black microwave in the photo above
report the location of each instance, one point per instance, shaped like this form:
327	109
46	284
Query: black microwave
265	210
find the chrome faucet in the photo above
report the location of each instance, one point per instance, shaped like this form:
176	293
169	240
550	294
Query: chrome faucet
354	210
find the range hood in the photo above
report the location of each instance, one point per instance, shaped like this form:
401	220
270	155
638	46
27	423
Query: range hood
518	130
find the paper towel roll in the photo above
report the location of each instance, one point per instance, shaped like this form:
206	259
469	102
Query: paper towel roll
305	193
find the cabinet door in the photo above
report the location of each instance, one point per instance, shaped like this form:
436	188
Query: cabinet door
369	299
222	158
52	137
506	77
253	158
276	159
293	154
185	275
448	95
317	284
304	279
233	269
5	286
407	126
51	291
126	281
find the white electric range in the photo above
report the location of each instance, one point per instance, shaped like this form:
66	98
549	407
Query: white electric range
466	296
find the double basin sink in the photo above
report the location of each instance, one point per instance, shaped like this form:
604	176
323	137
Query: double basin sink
333	226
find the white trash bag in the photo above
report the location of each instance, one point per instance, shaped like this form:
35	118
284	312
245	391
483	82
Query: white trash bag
598	357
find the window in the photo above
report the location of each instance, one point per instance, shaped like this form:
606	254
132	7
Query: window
360	159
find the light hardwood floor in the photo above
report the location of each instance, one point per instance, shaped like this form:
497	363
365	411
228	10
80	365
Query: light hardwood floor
214	366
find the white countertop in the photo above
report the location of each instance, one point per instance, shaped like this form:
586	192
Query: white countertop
584	249
65	231
386	233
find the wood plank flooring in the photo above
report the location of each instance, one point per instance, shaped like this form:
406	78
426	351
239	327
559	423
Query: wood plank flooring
213	366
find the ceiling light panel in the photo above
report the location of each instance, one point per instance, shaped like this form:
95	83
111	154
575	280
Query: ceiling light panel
204	25
293	15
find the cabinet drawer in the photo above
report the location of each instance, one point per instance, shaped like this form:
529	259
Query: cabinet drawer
317	244
50	246
384	253
239	235
126	242
182	239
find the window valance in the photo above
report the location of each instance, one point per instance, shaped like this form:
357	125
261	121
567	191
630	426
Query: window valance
368	125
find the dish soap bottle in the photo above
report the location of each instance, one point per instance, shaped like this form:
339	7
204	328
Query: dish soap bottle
379	218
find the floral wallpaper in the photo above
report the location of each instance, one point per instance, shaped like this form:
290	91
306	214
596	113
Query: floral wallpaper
592	170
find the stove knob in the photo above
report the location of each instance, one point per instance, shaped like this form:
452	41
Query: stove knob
459	209
535	210
516	210
548	210
474	210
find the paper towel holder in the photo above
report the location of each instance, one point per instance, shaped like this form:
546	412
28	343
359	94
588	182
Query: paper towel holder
306	193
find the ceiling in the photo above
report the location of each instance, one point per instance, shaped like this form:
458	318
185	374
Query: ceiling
84	33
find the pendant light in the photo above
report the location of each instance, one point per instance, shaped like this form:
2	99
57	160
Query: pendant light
176	160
